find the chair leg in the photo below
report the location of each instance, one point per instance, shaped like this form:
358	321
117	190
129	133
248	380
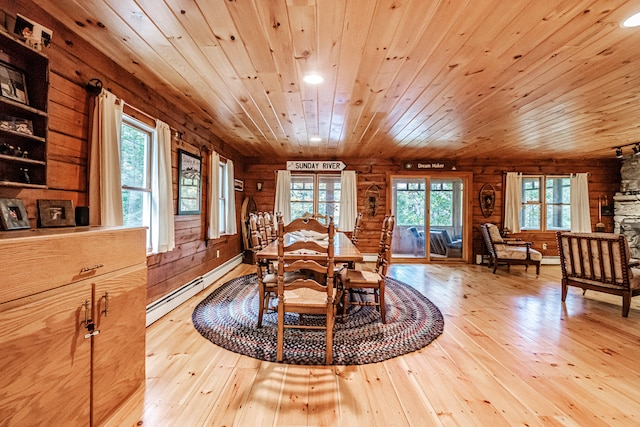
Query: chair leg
564	290
260	304
626	303
345	302
329	355
280	350
383	307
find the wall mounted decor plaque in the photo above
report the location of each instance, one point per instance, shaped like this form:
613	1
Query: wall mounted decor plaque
487	200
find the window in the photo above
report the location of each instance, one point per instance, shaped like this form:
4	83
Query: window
317	195
441	203
136	146
222	197
410	202
551	212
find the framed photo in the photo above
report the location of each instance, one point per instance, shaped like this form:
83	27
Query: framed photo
13	84
32	33
56	213
13	215
238	185
189	183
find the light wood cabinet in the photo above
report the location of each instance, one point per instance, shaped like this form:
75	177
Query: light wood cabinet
54	372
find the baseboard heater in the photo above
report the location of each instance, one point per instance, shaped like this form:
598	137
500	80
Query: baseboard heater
169	302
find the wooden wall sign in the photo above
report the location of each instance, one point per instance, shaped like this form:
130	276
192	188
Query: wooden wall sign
487	199
315	166
419	165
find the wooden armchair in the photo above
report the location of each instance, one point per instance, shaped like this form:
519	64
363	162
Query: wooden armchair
508	252
600	262
313	294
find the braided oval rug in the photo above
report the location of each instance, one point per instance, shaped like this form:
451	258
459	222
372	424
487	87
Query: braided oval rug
228	317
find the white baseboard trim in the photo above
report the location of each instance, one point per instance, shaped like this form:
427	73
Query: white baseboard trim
550	260
166	304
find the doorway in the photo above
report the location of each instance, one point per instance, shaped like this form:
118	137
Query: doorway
430	214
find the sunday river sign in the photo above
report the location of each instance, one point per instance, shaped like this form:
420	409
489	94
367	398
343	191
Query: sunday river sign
314	165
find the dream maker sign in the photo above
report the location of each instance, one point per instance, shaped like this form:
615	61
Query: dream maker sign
315	166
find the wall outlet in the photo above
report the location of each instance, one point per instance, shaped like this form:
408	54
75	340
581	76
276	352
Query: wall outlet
544	246
218	253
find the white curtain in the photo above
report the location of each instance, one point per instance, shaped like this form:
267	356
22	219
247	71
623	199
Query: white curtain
580	216
348	200
105	188
162	232
214	197
283	194
231	226
513	201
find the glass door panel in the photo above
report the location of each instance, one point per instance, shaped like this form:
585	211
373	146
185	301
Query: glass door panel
409	207
446	223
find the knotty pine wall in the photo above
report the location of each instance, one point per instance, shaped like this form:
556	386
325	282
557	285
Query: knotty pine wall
72	64
604	180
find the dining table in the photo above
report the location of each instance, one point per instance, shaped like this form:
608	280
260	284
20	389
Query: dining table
344	250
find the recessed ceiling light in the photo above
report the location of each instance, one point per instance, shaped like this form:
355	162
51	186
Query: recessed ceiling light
313	79
315	139
632	21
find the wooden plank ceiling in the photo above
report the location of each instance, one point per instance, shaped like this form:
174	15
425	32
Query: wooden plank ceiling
405	79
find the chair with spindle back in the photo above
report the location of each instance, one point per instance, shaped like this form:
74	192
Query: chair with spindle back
599	262
313	294
370	282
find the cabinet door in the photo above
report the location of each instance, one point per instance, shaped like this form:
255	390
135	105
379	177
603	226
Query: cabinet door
45	358
119	349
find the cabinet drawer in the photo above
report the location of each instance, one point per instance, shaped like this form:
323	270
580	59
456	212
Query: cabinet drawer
38	260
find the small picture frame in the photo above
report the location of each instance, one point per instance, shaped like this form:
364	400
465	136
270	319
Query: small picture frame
13	215
13	84
56	213
189	183
32	33
238	185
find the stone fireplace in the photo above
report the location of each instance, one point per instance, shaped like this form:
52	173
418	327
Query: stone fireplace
627	204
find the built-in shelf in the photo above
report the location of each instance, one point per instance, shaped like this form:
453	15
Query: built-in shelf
24	125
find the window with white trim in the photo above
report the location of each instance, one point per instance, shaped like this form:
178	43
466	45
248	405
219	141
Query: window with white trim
316	195
136	148
548	212
222	197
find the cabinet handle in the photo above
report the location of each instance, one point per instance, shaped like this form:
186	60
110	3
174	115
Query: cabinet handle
106	304
88	323
87	269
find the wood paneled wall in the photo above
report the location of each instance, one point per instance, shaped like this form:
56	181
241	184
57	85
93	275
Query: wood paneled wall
72	64
604	180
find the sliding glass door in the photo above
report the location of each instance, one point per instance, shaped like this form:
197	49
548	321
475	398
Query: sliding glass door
430	217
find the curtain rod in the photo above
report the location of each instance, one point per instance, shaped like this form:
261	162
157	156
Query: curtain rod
94	86
552	174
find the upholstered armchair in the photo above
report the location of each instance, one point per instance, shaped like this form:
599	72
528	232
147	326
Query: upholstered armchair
507	251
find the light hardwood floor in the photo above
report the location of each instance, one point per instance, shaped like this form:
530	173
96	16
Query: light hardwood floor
511	354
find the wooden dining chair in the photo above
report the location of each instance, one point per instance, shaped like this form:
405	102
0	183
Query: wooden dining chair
369	283
313	294
270	227
357	228
265	269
